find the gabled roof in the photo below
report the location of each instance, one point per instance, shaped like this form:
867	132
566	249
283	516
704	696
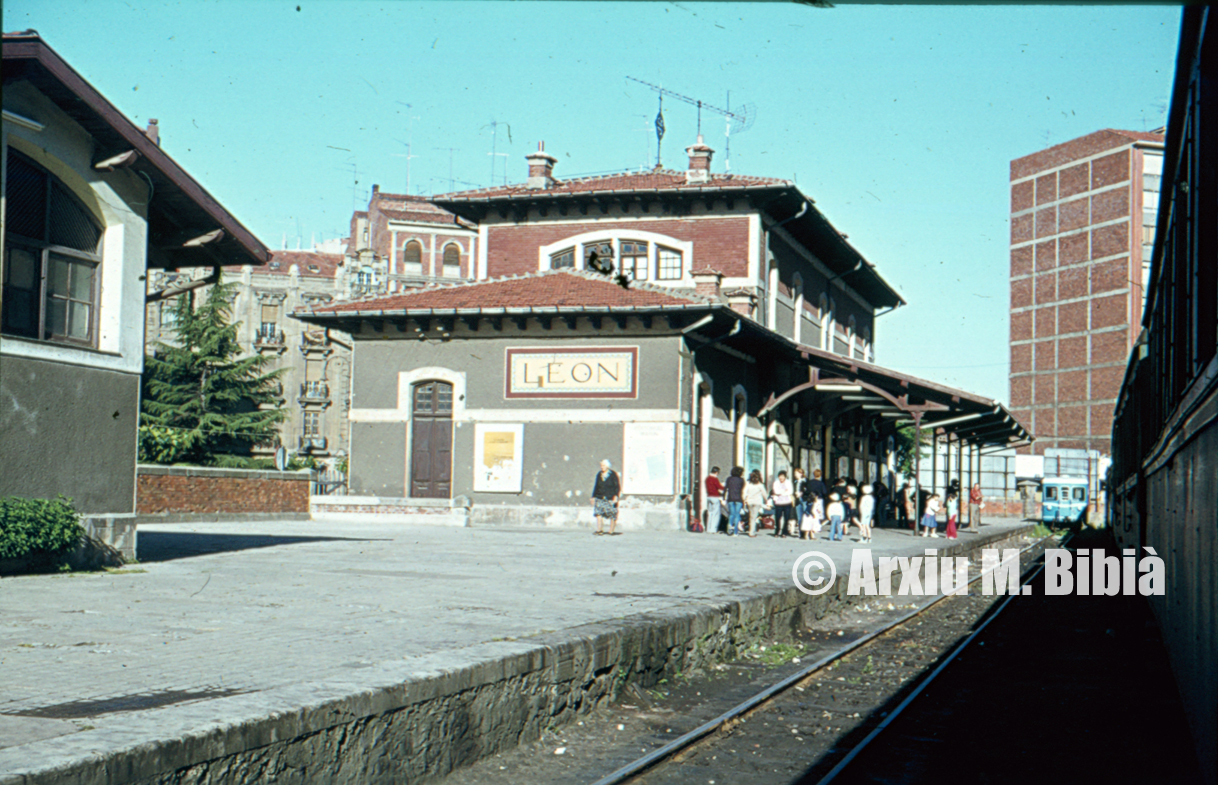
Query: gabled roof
419	216
181	208
549	291
310	264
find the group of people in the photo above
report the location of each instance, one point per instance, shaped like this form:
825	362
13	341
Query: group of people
801	506
804	506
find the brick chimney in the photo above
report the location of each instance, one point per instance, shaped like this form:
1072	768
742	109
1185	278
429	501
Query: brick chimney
541	167
707	283
742	302
153	132
699	162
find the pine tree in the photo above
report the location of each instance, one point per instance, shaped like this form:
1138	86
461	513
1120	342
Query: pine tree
201	399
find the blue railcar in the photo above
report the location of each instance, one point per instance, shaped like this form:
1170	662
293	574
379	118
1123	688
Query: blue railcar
1064	500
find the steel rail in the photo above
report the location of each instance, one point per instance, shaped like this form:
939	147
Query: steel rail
630	770
877	730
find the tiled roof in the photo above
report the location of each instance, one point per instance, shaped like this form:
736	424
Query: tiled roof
550	289
655	180
419	216
309	263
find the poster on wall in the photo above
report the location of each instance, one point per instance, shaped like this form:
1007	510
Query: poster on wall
649	451
754	456
498	457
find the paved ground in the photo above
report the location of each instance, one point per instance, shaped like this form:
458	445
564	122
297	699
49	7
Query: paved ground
303	607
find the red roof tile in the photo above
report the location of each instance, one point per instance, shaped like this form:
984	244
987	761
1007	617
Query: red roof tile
550	289
309	263
419	216
661	180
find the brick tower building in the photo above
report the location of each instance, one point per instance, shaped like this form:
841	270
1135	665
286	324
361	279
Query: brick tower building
1082	226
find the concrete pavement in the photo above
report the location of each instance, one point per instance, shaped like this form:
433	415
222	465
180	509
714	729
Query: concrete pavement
224	623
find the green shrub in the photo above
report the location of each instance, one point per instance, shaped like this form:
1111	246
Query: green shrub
37	527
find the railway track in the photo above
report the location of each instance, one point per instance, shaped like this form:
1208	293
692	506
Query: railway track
727	737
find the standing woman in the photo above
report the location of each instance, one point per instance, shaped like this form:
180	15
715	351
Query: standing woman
866	513
975	504
800	484
734	489
930	519
784	504
605	492
754	500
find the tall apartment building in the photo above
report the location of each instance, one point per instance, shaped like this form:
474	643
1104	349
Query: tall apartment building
1082	227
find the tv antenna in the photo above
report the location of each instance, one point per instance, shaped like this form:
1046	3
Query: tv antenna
409	144
494	126
451	180
738	121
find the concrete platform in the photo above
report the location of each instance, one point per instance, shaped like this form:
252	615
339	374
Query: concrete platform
311	650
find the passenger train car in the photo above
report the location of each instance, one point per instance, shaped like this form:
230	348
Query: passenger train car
1163	483
1064	500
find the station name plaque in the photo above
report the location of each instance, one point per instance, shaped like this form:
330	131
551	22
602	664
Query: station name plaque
601	372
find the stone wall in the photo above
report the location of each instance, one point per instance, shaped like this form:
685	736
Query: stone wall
173	491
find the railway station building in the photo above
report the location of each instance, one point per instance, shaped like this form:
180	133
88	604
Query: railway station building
669	321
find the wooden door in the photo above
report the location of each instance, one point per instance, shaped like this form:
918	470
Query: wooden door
431	444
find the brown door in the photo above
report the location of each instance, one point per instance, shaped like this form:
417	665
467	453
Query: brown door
431	449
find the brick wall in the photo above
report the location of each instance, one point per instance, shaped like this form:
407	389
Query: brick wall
1075	285
189	489
719	243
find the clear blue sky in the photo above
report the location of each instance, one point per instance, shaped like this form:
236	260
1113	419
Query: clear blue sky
900	121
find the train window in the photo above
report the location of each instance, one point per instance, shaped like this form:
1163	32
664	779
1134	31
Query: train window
1051	492
1079	495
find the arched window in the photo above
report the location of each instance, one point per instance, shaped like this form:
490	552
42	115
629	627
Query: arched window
564	258
52	251
412	258
452	261
598	256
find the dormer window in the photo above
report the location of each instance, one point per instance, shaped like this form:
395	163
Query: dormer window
314	268
634	260
669	264
273	265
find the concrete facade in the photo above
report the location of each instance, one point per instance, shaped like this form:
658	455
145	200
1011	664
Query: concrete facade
1082	225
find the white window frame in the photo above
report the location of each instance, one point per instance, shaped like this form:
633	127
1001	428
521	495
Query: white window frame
615	236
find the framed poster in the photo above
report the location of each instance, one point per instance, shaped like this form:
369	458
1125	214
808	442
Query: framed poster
649	458
754	456
498	457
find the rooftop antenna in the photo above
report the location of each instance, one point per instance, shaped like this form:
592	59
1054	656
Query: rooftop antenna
451	180
409	146
494	126
738	121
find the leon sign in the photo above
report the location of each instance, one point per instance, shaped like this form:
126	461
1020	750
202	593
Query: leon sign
602	372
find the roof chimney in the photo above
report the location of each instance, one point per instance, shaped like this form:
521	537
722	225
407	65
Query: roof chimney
699	162
707	282
153	132
541	167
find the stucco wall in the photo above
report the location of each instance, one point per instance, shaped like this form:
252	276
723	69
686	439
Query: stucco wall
68	429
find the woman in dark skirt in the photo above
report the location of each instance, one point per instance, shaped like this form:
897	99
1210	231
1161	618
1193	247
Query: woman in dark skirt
605	492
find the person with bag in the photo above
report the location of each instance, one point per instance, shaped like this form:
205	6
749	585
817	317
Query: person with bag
783	496
606	490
